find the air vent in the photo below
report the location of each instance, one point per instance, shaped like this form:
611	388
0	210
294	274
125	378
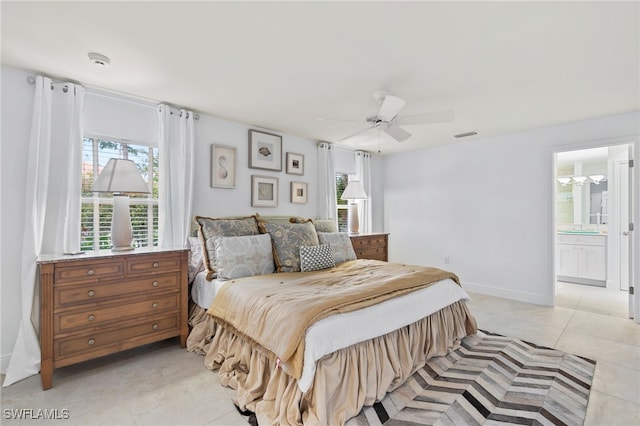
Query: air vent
464	135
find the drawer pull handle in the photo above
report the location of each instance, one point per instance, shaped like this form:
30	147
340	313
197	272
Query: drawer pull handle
155	284
156	264
91	293
91	342
91	272
91	317
155	326
155	305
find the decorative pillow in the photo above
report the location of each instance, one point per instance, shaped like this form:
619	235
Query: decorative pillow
210	228
196	264
322	225
286	240
325	225
340	244
315	258
244	256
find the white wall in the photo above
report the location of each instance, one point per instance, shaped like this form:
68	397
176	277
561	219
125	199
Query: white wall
487	205
217	202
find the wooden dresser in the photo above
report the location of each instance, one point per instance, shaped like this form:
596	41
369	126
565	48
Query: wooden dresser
371	246
102	302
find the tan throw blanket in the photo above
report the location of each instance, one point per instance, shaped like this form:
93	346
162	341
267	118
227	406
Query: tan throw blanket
275	310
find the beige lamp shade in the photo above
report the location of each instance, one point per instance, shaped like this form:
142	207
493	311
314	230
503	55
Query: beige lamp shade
120	176
354	191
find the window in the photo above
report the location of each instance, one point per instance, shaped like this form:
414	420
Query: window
343	205
97	207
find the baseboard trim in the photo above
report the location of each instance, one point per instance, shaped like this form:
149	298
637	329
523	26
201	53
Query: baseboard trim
4	363
507	293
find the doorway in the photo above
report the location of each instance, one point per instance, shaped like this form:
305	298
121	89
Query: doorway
591	211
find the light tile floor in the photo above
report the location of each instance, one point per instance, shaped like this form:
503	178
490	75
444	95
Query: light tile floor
162	384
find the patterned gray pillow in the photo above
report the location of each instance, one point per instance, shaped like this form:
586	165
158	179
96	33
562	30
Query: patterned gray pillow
340	244
244	256
196	263
210	228
325	225
322	225
315	258
286	240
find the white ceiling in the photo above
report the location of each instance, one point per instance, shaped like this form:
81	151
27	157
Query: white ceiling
501	66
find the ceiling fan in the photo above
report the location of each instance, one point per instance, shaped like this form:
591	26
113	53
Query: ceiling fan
387	119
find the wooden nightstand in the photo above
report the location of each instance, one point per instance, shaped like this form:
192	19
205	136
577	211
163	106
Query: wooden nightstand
103	302
371	246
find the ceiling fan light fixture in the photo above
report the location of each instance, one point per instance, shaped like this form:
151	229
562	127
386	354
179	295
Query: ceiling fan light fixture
99	59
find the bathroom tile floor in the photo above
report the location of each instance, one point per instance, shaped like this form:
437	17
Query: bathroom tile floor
161	384
597	300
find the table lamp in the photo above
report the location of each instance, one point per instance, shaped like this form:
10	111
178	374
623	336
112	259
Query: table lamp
353	191
121	177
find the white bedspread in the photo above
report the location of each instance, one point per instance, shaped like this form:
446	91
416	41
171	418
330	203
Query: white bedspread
343	330
202	291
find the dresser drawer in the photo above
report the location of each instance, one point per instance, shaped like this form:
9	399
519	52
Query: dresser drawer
585	240
69	295
73	320
371	253
153	264
367	242
88	272
101	340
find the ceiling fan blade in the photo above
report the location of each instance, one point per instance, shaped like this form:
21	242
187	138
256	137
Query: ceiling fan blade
425	118
397	133
390	107
356	133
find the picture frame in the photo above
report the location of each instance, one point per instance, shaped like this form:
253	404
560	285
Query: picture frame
265	151
295	164
223	166
264	191
299	192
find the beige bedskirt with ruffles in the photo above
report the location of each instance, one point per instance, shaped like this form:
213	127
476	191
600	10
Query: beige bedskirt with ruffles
345	380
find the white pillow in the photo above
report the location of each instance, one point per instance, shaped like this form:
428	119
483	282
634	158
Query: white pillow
243	256
315	258
340	244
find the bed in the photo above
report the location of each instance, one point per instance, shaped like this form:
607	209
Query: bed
353	351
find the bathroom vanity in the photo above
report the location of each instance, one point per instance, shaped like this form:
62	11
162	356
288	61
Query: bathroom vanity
582	258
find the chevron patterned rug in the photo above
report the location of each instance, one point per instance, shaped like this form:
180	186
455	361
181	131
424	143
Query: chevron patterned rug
490	379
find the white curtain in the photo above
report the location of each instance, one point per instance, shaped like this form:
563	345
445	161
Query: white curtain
176	169
327	181
363	173
52	206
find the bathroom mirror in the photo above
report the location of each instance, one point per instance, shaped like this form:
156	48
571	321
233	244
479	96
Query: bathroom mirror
582	188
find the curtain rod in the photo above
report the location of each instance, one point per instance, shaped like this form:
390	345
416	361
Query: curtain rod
118	97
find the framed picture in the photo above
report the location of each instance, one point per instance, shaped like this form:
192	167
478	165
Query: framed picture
295	163
299	192
265	151
264	191
223	166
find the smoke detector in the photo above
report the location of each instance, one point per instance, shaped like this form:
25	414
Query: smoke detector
99	60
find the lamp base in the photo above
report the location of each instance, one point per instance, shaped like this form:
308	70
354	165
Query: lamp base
125	248
121	234
352	220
